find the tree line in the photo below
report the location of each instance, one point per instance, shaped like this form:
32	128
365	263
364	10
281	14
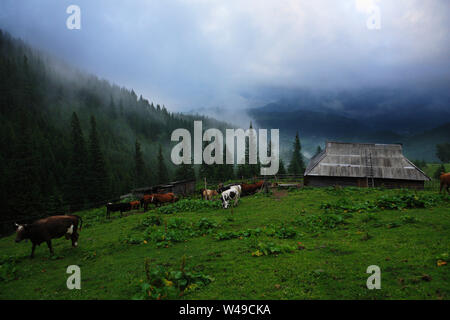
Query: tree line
69	139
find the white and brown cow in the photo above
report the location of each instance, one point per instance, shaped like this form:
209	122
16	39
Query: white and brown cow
232	194
44	230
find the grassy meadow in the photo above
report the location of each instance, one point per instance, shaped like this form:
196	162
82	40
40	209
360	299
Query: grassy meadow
307	243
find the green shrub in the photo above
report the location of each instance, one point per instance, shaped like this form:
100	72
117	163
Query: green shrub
285	232
269	248
206	225
317	222
238	234
149	221
8	269
162	283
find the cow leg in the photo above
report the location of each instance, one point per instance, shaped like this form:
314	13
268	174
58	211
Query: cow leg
32	250
236	200
75	239
49	244
442	185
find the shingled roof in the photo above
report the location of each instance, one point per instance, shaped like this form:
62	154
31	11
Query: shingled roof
342	159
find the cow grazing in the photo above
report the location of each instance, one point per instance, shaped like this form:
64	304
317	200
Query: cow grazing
146	199
44	230
114	207
445	181
208	194
135	205
160	198
232	194
251	188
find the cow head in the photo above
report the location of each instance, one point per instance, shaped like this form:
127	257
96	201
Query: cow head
226	198
21	232
224	201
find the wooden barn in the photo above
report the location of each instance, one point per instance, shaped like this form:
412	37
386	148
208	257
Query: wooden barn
180	188
363	165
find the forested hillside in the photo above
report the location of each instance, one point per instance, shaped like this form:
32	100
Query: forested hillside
69	139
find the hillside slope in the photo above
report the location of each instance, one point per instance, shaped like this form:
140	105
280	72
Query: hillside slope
38	98
285	246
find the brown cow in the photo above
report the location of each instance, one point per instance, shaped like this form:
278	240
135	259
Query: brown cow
135	205
44	230
251	188
146	199
208	194
160	198
445	181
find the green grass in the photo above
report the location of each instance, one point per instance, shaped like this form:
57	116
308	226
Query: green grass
318	244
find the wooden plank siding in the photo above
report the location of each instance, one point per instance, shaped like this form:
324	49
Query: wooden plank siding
351	164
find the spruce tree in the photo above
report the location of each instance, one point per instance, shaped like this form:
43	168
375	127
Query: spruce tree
248	170
253	169
98	179
163	175
297	166
139	166
226	171
206	170
281	168
25	165
185	171
76	185
438	172
112	108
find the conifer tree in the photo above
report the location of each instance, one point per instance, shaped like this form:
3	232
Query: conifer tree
163	175
112	108
253	169
185	171
76	185
25	165
227	170
98	179
297	166
281	168
139	166
438	172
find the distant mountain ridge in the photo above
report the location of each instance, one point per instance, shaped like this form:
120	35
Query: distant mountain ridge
419	120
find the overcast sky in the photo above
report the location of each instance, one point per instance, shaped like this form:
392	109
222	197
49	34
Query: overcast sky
190	54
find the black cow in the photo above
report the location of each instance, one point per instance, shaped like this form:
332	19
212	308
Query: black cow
221	188
114	207
49	228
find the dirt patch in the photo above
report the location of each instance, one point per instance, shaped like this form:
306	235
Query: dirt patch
279	194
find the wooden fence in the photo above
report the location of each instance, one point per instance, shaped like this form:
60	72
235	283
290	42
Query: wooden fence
432	185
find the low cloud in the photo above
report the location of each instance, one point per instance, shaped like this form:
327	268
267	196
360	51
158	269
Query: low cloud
190	54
